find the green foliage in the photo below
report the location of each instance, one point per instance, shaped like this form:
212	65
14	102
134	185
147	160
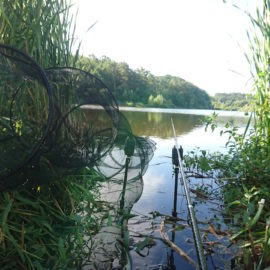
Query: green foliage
244	183
150	100
211	121
252	152
259	64
147	242
232	102
49	227
44	29
244	174
140	86
247	205
156	101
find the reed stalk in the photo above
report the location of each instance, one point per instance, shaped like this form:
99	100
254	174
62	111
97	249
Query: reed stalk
47	227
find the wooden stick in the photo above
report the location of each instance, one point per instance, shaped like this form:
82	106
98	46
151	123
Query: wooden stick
175	247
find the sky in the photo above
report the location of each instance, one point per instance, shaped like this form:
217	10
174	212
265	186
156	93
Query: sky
201	41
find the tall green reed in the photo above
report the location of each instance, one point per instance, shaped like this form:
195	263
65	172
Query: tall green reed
245	169
44	29
47	227
259	61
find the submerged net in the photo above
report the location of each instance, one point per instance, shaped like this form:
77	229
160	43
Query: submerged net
114	167
125	168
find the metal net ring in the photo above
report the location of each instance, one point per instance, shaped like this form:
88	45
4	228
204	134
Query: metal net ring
21	134
84	125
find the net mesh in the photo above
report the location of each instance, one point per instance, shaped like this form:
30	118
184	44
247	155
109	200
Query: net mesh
121	192
59	120
26	112
45	128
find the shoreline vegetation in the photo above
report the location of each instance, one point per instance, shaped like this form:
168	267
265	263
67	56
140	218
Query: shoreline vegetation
140	88
50	204
244	171
48	226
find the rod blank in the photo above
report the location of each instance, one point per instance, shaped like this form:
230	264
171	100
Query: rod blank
194	224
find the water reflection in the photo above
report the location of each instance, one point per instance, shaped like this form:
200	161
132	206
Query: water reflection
158	194
159	124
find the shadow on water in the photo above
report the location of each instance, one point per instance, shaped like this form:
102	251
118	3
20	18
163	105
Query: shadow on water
158	124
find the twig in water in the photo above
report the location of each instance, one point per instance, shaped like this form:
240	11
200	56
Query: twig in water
175	247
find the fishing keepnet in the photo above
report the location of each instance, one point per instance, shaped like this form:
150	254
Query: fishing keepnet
57	121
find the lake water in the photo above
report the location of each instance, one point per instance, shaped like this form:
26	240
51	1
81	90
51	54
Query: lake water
158	191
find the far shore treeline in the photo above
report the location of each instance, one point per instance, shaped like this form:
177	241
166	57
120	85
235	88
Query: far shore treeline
142	89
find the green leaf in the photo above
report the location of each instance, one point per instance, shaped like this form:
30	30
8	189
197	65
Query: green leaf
61	248
245	189
128	216
148	241
251	208
109	221
237	202
179	228
236	219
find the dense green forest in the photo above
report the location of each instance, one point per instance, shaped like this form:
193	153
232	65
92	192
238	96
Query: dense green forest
141	88
232	102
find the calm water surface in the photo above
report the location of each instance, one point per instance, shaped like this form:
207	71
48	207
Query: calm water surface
158	192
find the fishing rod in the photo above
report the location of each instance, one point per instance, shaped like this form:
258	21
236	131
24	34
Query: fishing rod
194	224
